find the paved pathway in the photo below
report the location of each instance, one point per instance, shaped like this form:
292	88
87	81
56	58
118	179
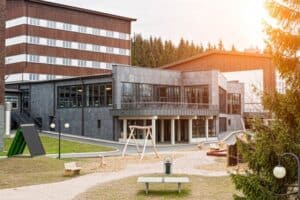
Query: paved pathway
67	190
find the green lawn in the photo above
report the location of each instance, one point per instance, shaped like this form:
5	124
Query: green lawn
51	146
206	188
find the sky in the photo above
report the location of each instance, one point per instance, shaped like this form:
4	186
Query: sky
237	22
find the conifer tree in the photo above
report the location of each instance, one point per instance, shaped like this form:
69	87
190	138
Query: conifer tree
283	135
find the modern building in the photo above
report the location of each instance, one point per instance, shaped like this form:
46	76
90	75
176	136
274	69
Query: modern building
46	40
180	106
255	70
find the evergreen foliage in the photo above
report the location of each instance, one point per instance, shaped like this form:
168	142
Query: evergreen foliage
283	135
153	52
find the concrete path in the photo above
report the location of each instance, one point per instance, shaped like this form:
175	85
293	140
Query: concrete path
67	190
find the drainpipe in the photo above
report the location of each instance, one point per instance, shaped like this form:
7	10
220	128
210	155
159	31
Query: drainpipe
82	107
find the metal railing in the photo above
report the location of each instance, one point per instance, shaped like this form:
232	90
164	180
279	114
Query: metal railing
167	105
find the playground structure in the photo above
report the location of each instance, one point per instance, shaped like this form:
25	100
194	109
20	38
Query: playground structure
26	135
147	133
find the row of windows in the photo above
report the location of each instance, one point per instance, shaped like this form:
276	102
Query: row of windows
196	94
68	62
92	95
36	77
77	28
78	45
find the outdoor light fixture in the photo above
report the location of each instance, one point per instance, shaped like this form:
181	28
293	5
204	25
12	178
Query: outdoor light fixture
279	172
66	126
108	88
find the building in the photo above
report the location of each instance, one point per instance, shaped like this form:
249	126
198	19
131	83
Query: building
47	40
255	70
180	106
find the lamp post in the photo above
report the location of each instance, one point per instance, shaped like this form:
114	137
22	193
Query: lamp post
66	126
280	171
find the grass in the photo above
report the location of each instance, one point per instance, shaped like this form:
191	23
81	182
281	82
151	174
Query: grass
20	171
51	146
208	188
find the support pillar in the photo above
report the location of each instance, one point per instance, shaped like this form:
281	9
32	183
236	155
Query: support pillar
206	128
154	130
8	107
179	131
162	131
172	131
190	130
124	129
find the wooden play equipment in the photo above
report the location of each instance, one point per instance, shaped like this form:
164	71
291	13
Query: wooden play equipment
147	133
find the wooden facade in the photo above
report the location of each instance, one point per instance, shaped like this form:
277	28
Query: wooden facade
229	62
65	14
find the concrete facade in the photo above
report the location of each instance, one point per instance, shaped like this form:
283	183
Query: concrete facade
172	121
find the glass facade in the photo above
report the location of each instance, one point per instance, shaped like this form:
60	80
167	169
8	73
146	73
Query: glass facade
196	94
234	103
93	95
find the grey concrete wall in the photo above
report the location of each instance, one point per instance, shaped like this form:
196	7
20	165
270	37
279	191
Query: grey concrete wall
2	126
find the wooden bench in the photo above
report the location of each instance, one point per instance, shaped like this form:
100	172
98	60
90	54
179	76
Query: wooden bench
174	180
71	168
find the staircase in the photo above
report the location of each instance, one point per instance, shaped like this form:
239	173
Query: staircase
24	118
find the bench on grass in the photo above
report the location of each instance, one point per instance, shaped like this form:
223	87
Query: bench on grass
71	168
174	180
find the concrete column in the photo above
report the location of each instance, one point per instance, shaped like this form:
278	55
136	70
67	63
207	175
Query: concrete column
154	130
179	131
8	106
190	130
162	131
124	129
172	131
206	128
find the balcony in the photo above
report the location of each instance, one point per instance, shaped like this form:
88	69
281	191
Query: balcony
165	109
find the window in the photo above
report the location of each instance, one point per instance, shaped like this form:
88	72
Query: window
167	93
34	40
67	44
96	31
109	33
51	60
50	77
196	94
122	51
199	128
34	58
70	96
34	21
98	123
82	46
14	101
51	24
81	29
122	36
234	103
81	63
34	77
109	50
96	64
108	66
67	61
128	92
222	100
67	27
96	48
51	42
98	95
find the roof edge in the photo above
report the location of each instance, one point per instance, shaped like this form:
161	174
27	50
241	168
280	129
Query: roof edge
81	9
205	54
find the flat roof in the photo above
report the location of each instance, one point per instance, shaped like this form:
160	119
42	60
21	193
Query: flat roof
81	9
62	79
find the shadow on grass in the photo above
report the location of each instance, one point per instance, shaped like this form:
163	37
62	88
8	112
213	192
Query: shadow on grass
165	193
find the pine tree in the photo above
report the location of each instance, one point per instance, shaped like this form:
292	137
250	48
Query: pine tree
283	135
221	45
233	48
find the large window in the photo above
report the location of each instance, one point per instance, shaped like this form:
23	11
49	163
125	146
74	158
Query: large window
128	92
199	128
167	93
234	103
98	95
222	100
70	96
196	94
